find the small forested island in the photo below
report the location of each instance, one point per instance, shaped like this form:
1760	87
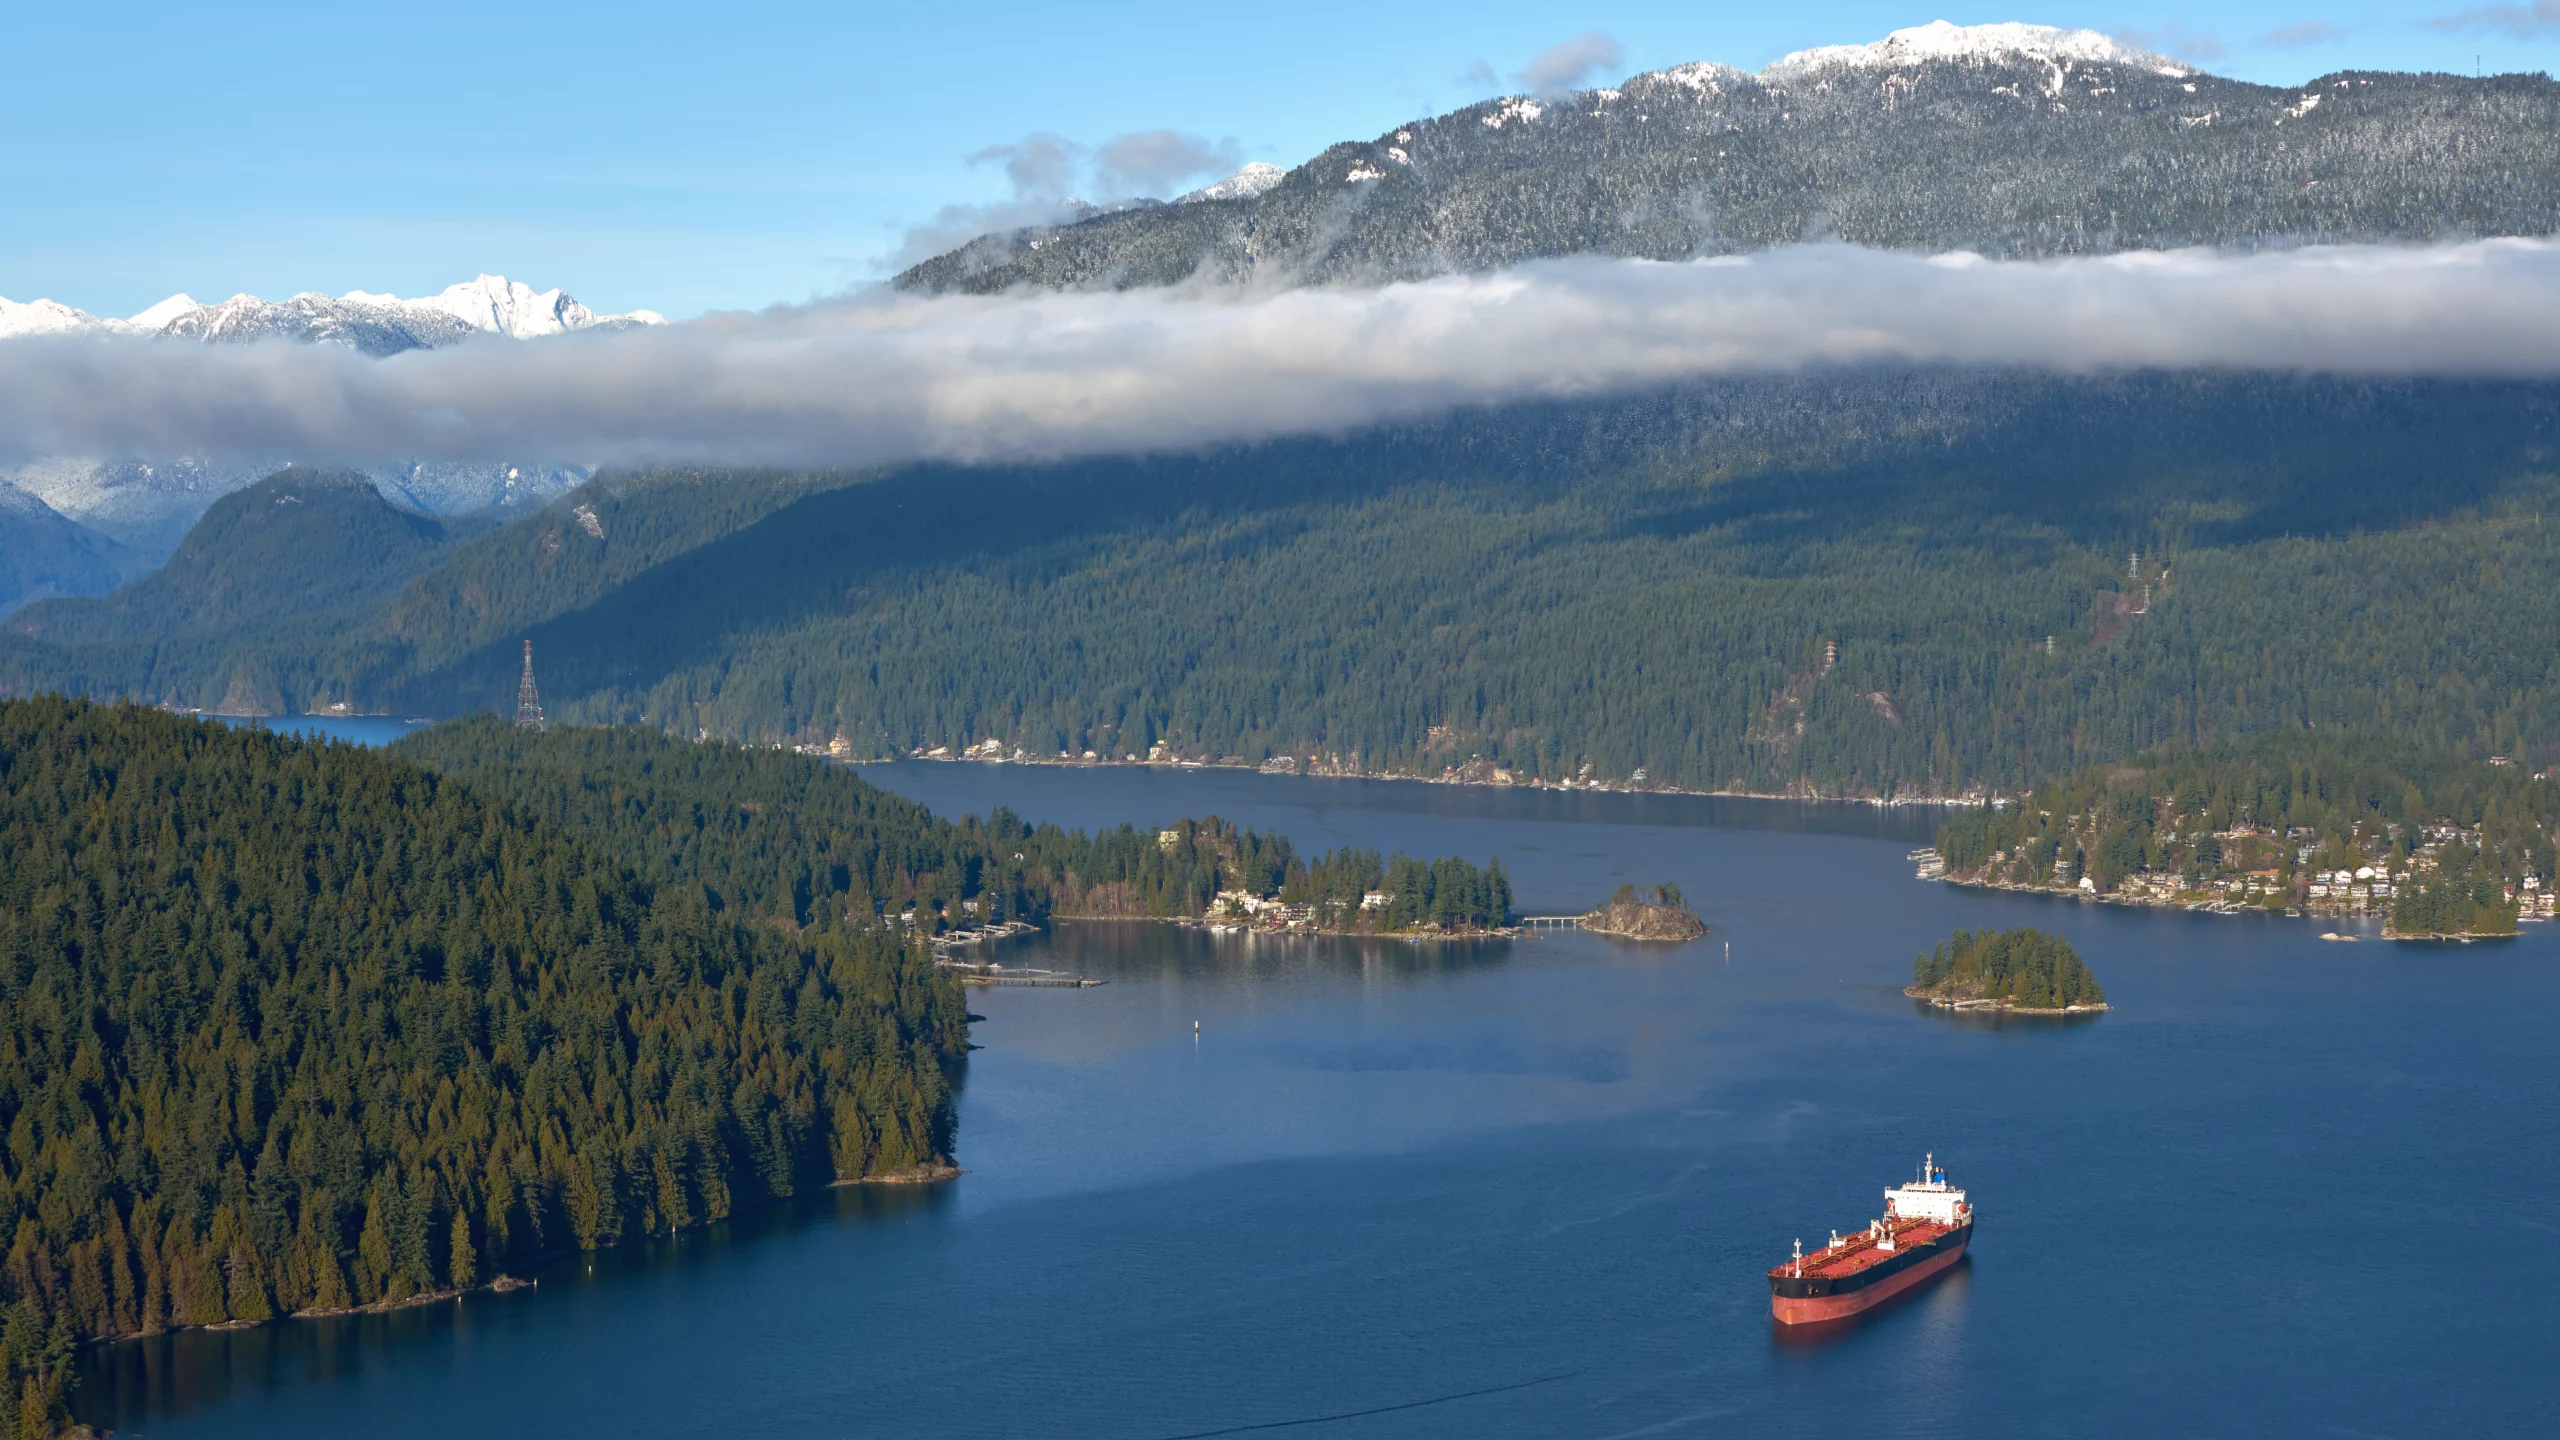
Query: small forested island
2300	823
2021	969
1660	913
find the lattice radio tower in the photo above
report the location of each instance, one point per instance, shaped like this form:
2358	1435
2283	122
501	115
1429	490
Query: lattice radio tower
528	700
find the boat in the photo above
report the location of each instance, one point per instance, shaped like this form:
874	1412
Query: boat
1923	1233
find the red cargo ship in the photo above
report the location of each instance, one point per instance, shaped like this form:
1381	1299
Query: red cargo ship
1925	1228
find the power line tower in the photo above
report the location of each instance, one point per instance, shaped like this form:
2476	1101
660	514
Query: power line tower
528	700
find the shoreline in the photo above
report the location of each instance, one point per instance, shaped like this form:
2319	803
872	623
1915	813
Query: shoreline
2292	911
1226	927
1453	776
2085	897
929	1173
2002	1006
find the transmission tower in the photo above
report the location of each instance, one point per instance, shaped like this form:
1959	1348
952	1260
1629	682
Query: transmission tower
528	700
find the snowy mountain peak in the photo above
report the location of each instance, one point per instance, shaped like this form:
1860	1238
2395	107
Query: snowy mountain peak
157	318
1976	45
375	324
1246	183
499	306
42	317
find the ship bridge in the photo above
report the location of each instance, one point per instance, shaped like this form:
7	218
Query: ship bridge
1928	1198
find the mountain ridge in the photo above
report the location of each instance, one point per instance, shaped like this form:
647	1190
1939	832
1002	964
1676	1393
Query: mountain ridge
487	305
2010	141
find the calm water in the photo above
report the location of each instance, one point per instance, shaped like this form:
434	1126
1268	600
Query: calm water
362	729
1528	1189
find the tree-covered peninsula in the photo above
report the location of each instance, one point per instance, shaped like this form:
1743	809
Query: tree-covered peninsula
303	1026
796	841
2021	969
2310	822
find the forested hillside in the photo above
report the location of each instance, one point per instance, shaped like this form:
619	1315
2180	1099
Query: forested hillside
763	834
43	554
1862	582
299	542
2008	155
2346	821
303	1026
271	581
791	840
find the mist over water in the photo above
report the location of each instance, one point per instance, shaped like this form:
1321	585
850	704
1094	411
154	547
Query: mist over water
1528	1189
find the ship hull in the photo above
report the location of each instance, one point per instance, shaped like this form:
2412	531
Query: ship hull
1815	1301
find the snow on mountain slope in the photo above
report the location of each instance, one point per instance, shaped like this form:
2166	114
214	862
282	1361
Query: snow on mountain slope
159	316
497	305
1975	44
42	317
375	324
1246	183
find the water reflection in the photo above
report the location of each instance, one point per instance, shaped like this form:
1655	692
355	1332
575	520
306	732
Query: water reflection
2022	1020
1140	951
162	1377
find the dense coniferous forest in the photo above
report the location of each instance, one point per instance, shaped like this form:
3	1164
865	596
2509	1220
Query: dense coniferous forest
1859	583
765	834
303	1026
791	840
2030	969
1409	894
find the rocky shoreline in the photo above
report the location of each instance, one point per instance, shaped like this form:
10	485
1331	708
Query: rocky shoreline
1635	921
2003	1005
2056	892
930	1172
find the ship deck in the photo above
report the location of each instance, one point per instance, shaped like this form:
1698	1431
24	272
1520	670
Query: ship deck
1859	1252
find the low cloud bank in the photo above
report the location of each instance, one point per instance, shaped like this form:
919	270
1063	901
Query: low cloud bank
885	378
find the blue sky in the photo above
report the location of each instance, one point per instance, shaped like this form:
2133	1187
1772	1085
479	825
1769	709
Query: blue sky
696	157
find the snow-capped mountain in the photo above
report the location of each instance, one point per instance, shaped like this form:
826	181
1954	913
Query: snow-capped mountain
1976	45
43	317
2009	140
374	324
1246	183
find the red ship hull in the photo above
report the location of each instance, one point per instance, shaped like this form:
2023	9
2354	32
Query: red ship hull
1814	1309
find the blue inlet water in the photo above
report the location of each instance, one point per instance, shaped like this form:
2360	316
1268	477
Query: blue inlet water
1528	1189
359	729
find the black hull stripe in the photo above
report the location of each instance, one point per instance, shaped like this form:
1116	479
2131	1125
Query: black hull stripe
1815	1286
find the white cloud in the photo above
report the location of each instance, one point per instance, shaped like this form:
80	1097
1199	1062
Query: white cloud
2180	41
2307	32
1156	162
2525	22
885	378
1569	65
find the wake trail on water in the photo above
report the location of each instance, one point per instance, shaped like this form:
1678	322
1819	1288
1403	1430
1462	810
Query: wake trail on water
1379	1410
